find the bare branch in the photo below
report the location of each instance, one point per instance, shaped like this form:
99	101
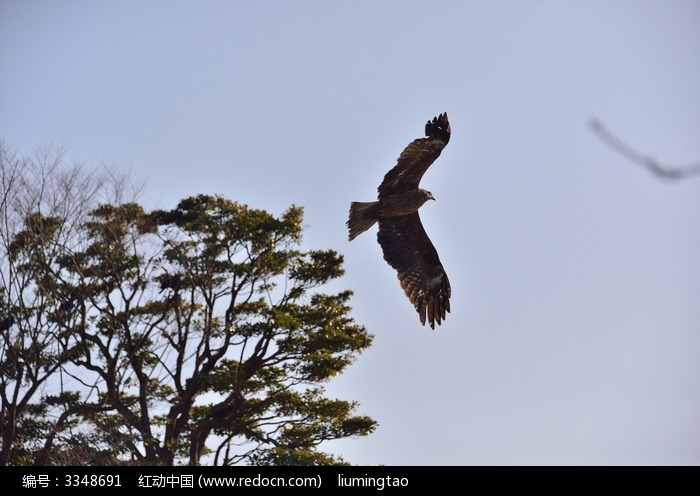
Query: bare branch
650	163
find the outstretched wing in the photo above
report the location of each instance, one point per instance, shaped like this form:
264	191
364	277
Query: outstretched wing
408	249
417	157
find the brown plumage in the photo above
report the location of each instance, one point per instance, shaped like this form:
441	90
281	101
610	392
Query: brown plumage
404	242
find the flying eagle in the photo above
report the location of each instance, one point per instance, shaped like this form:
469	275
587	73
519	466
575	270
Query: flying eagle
405	244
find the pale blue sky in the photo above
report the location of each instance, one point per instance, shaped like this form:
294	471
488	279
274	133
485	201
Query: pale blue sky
574	335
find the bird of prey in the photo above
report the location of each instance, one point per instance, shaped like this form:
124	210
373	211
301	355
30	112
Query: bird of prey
401	235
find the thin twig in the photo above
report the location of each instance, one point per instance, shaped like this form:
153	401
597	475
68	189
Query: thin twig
653	165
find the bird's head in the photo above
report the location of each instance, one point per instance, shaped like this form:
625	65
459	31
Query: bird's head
427	195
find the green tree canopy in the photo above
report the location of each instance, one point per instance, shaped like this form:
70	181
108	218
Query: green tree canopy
198	335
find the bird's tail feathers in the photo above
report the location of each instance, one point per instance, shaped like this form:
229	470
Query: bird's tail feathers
363	215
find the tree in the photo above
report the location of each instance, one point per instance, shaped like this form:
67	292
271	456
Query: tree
194	335
42	203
